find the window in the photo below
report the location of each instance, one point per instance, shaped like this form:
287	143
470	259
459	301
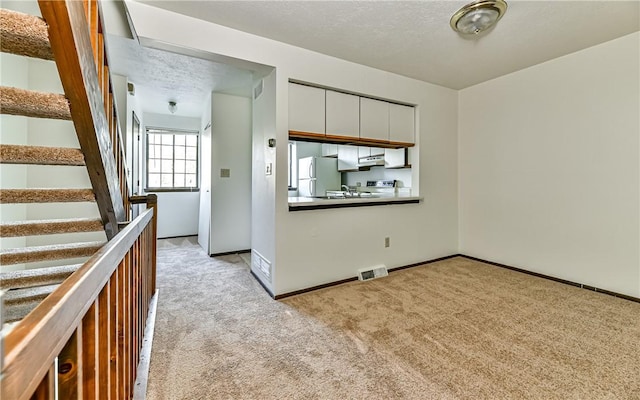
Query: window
172	159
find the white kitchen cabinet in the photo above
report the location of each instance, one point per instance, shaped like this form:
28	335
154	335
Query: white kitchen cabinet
347	158
306	109
342	114
329	150
395	158
374	119
364	151
401	123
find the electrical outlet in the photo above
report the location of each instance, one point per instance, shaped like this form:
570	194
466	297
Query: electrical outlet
386	242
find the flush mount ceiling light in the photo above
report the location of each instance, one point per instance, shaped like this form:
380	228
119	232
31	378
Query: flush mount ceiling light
173	107
478	16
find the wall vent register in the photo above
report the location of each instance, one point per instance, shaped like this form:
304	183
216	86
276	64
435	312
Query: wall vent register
377	271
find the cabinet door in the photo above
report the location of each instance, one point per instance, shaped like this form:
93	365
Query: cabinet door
364	151
347	158
395	158
401	123
329	150
374	119
306	109
342	114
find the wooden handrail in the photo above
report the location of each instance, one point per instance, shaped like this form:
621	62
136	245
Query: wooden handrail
72	48
56	324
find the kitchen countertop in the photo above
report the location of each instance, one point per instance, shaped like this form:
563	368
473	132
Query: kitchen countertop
309	203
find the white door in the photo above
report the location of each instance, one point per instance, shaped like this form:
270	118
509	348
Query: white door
204	219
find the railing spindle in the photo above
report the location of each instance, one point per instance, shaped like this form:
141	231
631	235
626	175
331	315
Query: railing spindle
103	343
113	336
70	368
90	354
46	390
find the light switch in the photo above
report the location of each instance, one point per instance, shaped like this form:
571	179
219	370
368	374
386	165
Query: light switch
268	169
225	172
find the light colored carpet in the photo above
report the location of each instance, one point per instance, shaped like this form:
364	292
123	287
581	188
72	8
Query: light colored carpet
456	329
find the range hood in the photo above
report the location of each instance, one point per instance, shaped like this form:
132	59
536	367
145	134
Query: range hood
370	161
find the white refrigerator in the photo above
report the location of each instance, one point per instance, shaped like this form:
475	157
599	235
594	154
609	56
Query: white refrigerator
316	175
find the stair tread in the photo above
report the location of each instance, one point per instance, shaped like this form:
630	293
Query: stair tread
20	196
24	34
48	252
50	226
40	155
31	103
17	312
27	295
36	277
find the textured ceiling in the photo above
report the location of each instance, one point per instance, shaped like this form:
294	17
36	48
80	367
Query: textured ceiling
160	76
413	38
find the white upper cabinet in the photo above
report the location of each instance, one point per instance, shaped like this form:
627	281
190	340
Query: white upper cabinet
343	114
347	158
401	123
306	109
364	151
329	150
374	119
395	158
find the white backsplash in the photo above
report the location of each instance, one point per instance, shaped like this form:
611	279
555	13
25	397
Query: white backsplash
403	176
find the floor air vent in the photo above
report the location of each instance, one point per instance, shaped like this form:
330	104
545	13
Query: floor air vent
377	271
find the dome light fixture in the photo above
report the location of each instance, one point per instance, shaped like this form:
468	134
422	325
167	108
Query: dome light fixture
478	16
173	107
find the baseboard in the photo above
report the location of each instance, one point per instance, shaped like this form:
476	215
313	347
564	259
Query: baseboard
311	289
509	267
178	237
355	278
423	263
553	278
228	253
266	289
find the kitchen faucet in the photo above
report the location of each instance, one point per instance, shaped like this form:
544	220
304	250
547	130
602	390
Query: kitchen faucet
347	190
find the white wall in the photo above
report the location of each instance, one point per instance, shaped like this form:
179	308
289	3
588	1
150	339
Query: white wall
13	130
230	197
263	231
313	247
43	76
177	211
549	167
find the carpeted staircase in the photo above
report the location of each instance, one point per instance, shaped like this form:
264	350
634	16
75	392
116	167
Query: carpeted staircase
27	35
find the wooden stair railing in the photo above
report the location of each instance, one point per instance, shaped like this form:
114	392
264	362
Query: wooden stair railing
93	323
86	83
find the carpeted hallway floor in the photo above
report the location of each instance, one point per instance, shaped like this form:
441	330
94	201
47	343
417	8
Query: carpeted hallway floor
455	329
